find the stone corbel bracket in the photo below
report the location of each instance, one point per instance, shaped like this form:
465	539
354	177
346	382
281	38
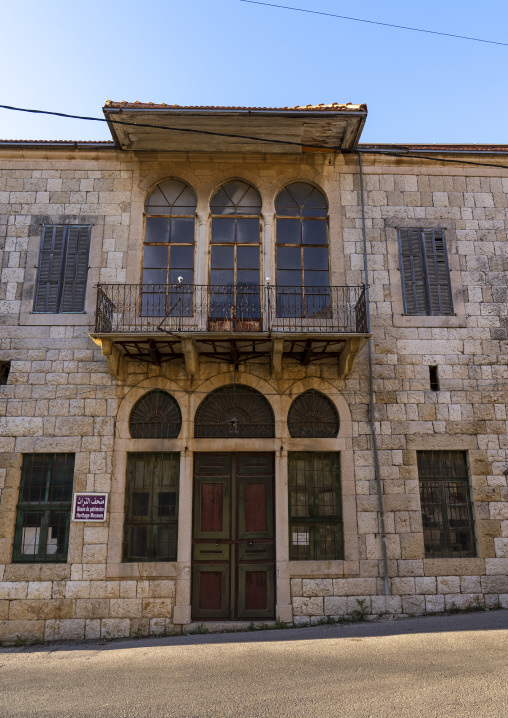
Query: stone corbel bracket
191	357
349	354
117	363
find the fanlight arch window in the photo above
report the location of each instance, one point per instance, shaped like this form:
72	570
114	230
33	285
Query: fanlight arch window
155	416
234	412
170	218
303	275
235	256
312	414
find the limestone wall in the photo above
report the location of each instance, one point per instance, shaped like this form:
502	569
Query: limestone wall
60	396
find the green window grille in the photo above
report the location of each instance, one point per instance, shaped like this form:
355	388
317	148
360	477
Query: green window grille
315	507
151	507
44	508
426	288
446	505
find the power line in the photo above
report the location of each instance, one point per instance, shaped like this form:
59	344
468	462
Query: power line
405	151
374	22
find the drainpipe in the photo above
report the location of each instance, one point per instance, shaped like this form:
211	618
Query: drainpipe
371	394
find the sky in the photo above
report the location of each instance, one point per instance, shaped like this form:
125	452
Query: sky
418	88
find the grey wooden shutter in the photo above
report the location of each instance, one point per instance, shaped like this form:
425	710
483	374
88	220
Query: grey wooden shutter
412	270
75	269
438	275
47	292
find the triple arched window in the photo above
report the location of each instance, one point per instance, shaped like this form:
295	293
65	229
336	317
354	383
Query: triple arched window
302	262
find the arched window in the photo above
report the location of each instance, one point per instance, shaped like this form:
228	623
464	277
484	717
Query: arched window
235	256
234	412
170	211
312	414
155	416
302	252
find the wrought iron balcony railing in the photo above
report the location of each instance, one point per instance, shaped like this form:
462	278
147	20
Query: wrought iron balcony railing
155	308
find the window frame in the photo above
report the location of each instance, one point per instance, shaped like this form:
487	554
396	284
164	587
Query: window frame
314	520
425	261
441	482
63	268
26	508
152	523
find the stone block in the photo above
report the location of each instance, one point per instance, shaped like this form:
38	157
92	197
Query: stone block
501	547
411	545
30	630
105	589
115	628
393	604
140	627
448	584
39	590
494	584
425	585
355	604
335	605
354	586
13	589
454	566
402	586
95	534
157	607
317	587
73	426
413	604
470	584
296	587
162	589
434	604
157	626
412	567
4	610
67	629
125	607
496	566
308	606
92	608
127	589
33	610
95	553
92	628
77	589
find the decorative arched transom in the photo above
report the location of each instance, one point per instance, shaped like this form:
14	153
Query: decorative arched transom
234	411
155	416
313	415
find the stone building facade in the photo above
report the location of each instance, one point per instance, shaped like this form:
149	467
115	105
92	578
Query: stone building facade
71	385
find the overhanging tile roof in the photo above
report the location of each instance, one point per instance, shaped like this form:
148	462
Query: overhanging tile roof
334	106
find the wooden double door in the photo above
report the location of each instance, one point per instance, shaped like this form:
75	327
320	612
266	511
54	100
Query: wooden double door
233	537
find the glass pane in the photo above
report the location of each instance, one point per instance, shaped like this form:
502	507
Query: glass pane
288	231
154	276
316	279
289	278
223	257
139	542
289	302
314	231
285	204
167	503
247	276
57	533
181	257
30	534
222	277
140	503
221	203
315	201
317	302
155	257
172	190
157	229
223	229
182	231
289	258
34	483
186	202
156	198
301	192
315	258
247	257
247	230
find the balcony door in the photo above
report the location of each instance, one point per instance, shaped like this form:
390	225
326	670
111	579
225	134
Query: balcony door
234	297
233	537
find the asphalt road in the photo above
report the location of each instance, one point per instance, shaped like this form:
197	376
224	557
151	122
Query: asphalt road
432	667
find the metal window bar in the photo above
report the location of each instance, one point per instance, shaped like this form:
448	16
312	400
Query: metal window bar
44	509
315	507
152	308
446	505
151	507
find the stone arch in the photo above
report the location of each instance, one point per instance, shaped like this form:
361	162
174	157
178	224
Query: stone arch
331	391
135	393
313	415
156	415
235	411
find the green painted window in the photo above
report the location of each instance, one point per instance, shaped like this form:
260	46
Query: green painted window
315	507
446	504
44	508
151	507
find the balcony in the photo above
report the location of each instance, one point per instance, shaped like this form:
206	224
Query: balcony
159	323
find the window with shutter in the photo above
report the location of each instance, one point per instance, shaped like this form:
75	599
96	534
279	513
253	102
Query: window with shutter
426	287
63	269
